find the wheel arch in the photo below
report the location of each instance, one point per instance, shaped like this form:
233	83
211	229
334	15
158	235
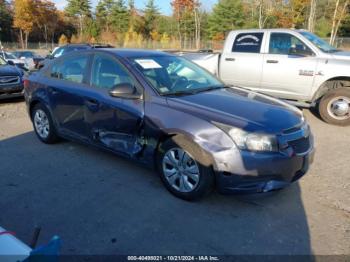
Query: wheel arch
32	104
209	161
38	101
331	84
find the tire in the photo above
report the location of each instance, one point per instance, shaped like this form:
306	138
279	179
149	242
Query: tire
329	107
193	160
47	133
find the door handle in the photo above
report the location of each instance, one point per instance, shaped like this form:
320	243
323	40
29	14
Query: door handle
230	59
272	61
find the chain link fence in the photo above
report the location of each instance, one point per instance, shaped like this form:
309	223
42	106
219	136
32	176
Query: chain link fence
341	43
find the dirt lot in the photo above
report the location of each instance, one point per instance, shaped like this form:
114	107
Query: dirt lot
101	204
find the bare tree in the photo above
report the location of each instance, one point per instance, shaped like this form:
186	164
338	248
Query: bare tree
197	21
338	16
266	9
312	15
261	8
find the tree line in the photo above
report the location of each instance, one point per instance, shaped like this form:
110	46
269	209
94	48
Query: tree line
120	23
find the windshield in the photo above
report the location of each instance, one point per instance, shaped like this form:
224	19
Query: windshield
171	75
321	44
2	61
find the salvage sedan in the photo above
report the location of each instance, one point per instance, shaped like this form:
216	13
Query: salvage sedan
168	113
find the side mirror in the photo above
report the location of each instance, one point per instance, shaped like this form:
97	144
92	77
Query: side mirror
124	90
10	62
49	56
299	52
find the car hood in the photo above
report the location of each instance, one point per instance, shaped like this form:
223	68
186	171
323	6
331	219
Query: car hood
8	70
345	55
240	108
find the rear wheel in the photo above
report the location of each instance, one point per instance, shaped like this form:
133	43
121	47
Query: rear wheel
334	107
182	169
43	124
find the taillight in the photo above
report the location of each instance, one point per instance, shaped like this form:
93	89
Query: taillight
26	83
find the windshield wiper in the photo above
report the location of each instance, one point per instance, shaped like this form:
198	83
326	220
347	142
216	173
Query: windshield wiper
209	88
194	91
178	93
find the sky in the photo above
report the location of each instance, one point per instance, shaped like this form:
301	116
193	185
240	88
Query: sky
164	6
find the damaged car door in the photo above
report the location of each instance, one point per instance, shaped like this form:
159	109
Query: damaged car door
66	86
115	114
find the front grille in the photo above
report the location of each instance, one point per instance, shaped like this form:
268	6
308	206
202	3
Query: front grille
301	145
9	80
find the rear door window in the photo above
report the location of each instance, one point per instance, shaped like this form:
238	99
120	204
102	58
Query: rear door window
70	69
248	43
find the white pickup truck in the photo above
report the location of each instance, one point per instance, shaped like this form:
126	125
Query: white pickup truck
294	65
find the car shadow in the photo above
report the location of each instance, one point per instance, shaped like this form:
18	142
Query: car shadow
99	203
11	100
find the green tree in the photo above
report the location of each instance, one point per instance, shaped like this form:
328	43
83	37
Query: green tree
151	14
120	17
166	24
227	15
92	29
344	30
80	9
104	17
6	20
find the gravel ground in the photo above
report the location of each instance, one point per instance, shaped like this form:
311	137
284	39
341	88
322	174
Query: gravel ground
99	203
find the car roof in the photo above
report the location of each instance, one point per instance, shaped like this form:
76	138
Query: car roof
75	45
95	45
257	30
131	53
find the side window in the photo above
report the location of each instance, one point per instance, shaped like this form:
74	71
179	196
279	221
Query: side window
248	43
281	43
107	73
71	69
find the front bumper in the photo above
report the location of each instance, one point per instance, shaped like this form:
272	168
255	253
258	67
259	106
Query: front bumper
11	91
265	172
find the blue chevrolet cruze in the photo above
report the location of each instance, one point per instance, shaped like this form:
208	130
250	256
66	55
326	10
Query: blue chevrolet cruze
168	113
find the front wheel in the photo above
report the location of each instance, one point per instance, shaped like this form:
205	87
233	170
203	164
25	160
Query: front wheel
182	169
334	107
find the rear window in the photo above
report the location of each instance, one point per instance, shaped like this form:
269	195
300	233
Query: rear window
248	43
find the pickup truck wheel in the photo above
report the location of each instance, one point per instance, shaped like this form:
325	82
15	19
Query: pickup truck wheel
334	107
43	124
182	171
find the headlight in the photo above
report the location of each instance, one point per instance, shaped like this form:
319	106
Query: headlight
250	141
